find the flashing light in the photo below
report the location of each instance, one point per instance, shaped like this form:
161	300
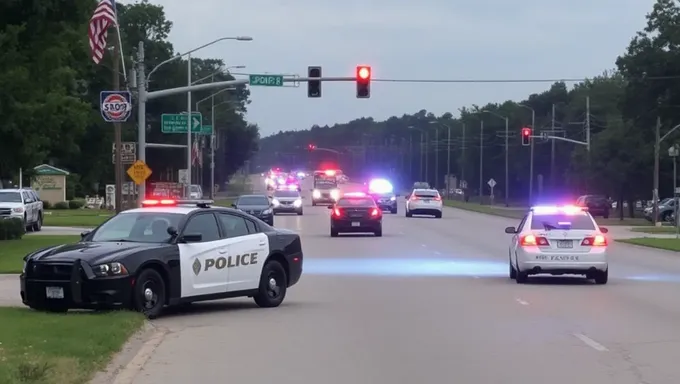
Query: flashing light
301	174
330	172
380	186
335	194
316	194
554	209
355	194
526	136
154	202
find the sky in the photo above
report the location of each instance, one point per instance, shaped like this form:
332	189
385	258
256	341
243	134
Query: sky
400	39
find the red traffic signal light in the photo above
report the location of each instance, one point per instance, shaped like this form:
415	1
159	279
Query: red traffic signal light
363	77
311	147
526	136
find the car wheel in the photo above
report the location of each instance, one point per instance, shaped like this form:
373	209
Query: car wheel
438	215
313	204
393	211
408	214
334	233
299	213
378	233
38	224
521	277
273	285
606	215
149	293
27	226
601	277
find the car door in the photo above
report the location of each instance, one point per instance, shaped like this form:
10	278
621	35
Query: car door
203	264
515	240
29	207
248	249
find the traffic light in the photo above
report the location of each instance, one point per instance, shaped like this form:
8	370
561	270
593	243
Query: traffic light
363	82
314	86
311	147
526	136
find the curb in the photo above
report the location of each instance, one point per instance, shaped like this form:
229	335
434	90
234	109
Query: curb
133	356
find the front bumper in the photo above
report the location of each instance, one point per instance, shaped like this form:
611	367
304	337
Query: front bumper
323	200
387	205
287	208
80	287
535	261
365	225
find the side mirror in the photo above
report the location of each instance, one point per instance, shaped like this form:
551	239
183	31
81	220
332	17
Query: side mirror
233	205
191	238
407	196
330	207
510	230
172	231
604	230
84	234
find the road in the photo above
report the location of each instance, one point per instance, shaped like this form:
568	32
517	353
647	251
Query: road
431	302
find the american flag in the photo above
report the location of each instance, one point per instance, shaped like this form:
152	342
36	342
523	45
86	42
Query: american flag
103	17
196	153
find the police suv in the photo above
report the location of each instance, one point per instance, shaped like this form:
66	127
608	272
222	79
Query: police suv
167	252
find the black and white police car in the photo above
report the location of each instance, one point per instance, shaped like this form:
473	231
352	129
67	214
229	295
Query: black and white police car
166	253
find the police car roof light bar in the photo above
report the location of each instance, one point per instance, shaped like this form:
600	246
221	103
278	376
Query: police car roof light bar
354	194
554	209
155	203
199	203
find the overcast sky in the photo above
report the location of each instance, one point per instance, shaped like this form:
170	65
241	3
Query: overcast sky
400	39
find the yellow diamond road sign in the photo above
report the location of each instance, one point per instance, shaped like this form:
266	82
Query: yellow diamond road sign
139	172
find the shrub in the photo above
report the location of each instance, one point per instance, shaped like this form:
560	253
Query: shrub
12	229
61	205
47	205
76	204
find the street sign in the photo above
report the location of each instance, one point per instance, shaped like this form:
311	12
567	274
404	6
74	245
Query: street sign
492	183
177	122
183	177
206	130
115	106
266	80
139	172
128	154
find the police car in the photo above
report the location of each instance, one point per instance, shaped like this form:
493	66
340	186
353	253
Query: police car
558	240
167	252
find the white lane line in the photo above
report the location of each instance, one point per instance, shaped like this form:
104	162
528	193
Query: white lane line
590	342
522	301
423	245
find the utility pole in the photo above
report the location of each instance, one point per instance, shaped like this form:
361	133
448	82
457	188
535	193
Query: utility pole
655	191
531	158
436	158
448	162
212	141
427	156
507	167
118	131
481	160
410	158
588	141
141	116
422	156
189	121
462	160
552	150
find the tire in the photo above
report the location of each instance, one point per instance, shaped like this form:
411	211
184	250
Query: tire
513	271
313	204
27	226
334	233
378	233
665	217
408	214
37	226
149	303
606	215
273	285
521	277
299	213
393	211
601	278
438	215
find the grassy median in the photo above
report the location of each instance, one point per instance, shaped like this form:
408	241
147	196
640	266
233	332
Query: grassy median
667	244
12	252
667	230
86	218
518	213
42	348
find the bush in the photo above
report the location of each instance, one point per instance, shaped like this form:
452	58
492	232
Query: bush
61	205
47	205
12	229
76	204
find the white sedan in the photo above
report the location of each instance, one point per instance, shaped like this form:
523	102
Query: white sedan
558	241
424	202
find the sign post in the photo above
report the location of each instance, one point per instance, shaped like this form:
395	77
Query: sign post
139	172
128	154
492	184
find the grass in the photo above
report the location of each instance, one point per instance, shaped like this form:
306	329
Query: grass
42	348
224	202
659	243
76	217
517	213
655	230
12	252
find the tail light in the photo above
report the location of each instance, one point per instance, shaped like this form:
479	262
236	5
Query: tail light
437	198
375	212
595	241
533	241
337	212
414	198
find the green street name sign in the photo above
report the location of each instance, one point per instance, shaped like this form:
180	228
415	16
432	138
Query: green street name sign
206	130
177	122
266	80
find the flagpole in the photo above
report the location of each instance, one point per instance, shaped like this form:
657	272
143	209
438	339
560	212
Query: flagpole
120	44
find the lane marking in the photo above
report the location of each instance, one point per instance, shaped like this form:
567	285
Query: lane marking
590	342
522	302
423	245
437	253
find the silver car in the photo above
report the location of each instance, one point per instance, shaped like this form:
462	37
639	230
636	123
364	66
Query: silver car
287	201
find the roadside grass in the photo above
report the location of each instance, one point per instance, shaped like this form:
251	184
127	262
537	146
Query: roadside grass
655	230
224	202
87	218
12	252
43	348
518	213
659	243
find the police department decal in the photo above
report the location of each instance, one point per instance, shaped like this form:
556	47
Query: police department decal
196	267
115	106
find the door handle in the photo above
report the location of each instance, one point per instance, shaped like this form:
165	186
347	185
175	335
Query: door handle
222	251
263	243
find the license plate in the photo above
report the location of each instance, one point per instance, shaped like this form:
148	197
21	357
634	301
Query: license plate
563	258
565	244
427	200
356	224
54	292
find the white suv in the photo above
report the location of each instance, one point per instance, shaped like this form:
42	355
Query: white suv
22	204
424	202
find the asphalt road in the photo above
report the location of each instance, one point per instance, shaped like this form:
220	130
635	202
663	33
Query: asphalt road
431	302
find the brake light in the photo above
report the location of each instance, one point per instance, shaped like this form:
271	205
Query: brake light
375	212
164	202
533	241
414	198
437	198
595	241
337	212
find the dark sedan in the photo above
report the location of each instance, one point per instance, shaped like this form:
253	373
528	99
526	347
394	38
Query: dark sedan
355	214
257	205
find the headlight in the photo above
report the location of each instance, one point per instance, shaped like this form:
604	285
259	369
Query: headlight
18	210
297	203
110	269
393	198
23	270
316	194
276	202
267	211
335	194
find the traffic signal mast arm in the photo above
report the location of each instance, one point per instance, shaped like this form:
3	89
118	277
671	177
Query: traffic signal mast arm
315	148
549	137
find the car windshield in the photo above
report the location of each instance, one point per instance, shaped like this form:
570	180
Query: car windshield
253	200
140	227
581	221
427	194
286	194
194	188
10	197
356	203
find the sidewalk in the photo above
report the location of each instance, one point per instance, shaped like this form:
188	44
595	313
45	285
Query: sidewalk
621	232
9	291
